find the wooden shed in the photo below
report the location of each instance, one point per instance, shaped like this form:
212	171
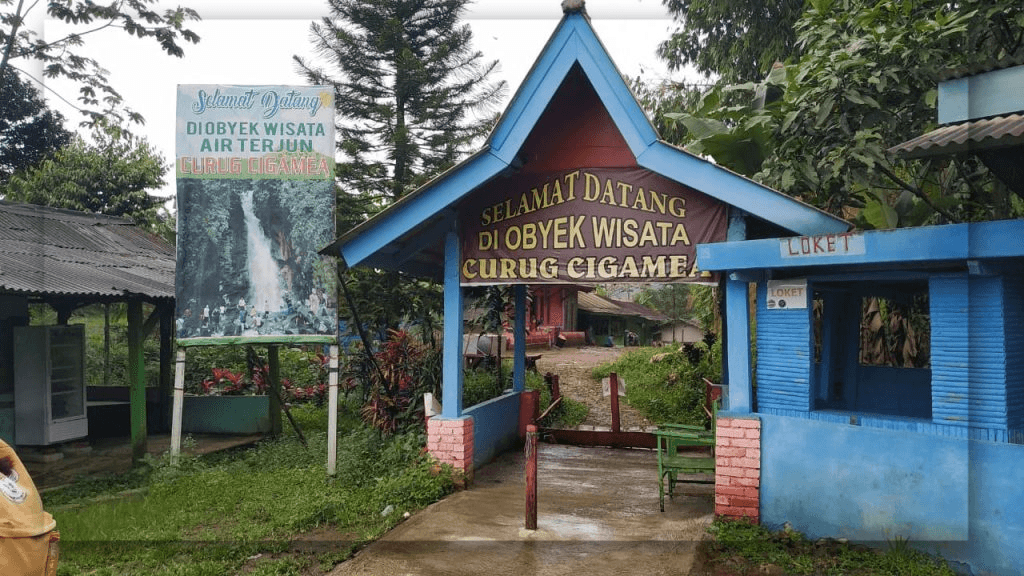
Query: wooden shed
67	259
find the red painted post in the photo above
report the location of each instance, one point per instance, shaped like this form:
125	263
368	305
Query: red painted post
531	477
555	392
613	380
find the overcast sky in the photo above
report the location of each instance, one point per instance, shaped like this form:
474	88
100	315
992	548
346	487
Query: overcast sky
252	42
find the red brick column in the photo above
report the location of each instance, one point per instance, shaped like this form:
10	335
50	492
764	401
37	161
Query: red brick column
738	468
451	442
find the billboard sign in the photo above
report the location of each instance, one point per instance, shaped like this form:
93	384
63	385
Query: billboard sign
588	225
255	185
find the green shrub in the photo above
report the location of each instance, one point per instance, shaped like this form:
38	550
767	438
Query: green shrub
672	389
569	414
480	385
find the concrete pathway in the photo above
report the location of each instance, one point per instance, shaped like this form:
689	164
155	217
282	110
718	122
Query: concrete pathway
598	515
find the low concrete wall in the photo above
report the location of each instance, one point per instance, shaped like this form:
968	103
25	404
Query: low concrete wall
951	496
996	517
226	414
495	429
868	484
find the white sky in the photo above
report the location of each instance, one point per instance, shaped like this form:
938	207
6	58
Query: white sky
252	42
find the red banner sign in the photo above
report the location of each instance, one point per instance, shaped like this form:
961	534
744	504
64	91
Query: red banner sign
588	226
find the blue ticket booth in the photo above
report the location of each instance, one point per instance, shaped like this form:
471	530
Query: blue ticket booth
887	396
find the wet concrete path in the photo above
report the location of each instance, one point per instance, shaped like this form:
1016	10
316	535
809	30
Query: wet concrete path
597	515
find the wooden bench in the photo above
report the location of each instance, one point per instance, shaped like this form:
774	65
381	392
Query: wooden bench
684	449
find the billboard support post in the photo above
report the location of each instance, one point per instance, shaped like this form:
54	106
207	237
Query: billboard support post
332	412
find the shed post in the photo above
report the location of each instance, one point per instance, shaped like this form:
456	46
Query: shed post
166	353
274	377
452	358
519	332
738	343
136	380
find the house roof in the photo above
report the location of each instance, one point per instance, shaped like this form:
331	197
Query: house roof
407	235
983	134
49	251
594	304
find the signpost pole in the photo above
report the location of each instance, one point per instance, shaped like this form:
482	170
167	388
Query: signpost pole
332	411
274	365
179	399
614	387
531	477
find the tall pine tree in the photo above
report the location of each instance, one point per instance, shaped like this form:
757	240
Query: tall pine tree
411	93
29	131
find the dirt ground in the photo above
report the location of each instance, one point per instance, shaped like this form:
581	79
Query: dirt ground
573	367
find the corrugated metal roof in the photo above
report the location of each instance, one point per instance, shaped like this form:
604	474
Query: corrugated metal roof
965	136
62	252
982	67
595	304
641	311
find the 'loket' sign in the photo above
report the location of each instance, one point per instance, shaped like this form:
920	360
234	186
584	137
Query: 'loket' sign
588	225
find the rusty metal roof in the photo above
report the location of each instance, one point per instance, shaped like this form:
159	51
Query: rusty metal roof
49	251
595	304
983	134
987	65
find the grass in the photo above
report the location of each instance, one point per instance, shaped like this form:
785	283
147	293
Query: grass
668	391
740	548
265	510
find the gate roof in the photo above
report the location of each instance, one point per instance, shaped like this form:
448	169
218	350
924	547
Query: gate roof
407	236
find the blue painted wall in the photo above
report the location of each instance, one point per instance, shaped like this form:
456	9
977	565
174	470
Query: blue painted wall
784	356
951	496
948	297
896	391
837	480
987	370
495	427
1014	293
996	515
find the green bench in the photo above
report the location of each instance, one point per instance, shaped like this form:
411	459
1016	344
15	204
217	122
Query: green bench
684	449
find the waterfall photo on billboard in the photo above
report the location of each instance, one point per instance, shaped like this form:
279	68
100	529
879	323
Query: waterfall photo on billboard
250	265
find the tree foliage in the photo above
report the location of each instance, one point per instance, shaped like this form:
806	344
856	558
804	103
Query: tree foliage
683	301
29	131
113	177
411	94
61	58
737	40
820	127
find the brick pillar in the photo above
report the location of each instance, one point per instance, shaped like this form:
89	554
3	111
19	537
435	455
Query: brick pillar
738	468
450	441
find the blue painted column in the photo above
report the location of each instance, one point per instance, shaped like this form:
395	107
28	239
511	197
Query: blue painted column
738	344
519	332
736	232
451	372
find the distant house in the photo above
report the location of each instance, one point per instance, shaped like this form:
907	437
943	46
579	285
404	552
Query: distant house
602	318
684	331
68	260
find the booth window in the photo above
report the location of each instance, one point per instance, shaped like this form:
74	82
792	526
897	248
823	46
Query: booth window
877	361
